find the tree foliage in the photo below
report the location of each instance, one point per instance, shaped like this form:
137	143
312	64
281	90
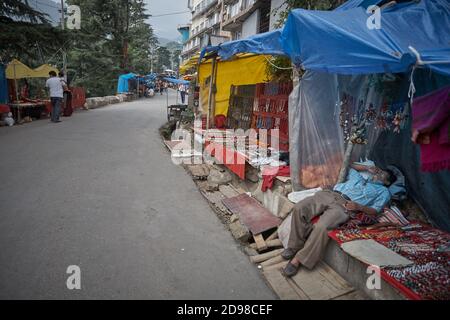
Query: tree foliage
114	39
26	34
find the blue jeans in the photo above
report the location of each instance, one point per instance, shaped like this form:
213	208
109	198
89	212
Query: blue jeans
56	108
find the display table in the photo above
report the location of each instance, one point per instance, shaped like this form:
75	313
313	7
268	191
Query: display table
27	109
4	108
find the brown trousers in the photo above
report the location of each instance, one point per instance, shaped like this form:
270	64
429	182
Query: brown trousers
311	240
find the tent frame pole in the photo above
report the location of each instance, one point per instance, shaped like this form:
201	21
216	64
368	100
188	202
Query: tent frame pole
17	94
211	89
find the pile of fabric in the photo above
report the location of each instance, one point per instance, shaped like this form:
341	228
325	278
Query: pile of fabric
429	277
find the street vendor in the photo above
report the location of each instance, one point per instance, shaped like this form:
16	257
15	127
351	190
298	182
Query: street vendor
56	88
307	241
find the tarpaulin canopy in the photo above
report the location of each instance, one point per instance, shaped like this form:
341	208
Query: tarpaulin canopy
176	81
189	64
268	43
341	42
245	70
3	85
18	70
122	86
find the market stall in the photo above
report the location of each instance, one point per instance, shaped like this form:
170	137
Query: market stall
20	103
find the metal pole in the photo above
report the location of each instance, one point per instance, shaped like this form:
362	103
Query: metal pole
211	88
63	52
17	94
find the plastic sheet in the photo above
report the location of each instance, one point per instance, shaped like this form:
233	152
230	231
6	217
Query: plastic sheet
318	142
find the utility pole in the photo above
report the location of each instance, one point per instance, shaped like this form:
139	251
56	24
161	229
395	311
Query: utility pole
63	20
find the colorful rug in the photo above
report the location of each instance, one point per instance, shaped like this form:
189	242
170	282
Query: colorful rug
428	248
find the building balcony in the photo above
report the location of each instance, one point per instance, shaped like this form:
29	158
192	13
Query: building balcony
235	22
203	7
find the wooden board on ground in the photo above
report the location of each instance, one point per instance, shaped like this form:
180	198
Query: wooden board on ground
280	285
321	283
228	191
216	199
354	295
252	214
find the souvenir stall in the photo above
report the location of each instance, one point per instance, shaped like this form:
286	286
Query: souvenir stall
221	108
367	94
22	106
379	94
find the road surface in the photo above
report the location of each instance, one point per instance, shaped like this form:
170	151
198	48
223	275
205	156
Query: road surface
99	191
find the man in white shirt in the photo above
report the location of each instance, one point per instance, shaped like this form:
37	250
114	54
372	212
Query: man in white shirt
56	89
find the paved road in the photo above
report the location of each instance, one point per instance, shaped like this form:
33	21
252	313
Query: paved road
100	191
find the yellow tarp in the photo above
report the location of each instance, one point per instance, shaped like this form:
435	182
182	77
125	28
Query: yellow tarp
189	64
18	70
244	70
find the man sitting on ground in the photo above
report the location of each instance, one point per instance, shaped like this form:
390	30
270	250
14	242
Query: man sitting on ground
307	242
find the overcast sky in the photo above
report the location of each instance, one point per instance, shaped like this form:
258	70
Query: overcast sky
166	26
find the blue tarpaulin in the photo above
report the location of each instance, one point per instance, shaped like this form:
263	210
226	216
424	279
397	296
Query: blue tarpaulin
3	85
122	86
176	81
341	42
265	43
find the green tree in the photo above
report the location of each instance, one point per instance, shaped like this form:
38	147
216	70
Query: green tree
163	58
26	34
114	39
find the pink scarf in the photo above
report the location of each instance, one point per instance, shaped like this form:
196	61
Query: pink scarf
431	125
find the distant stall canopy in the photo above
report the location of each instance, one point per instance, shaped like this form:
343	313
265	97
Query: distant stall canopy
122	86
189	64
176	81
349	40
268	43
18	70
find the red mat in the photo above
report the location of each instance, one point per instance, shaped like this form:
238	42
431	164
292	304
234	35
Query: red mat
414	286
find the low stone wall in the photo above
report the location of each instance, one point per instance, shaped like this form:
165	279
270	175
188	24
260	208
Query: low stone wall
98	102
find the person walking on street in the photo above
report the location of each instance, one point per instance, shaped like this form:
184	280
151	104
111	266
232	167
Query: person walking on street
56	88
182	88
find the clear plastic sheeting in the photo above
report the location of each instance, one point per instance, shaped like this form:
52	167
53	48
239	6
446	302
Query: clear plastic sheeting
316	141
322	112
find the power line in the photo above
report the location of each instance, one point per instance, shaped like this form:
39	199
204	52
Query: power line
168	14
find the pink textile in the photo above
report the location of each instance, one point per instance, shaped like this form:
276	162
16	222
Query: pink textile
269	174
431	125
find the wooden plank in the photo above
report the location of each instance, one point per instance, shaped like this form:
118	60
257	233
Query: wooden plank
260	243
265	256
280	285
354	295
299	291
228	191
278	266
273	236
322	283
272	261
270	244
216	198
252	214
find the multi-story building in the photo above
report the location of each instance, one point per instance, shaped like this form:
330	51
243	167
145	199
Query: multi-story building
218	21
